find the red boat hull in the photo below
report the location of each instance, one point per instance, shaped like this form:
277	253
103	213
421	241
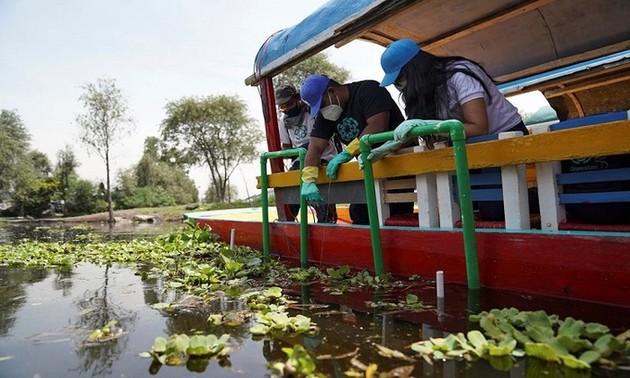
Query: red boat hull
568	265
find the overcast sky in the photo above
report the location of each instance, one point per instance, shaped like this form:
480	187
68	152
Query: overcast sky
156	50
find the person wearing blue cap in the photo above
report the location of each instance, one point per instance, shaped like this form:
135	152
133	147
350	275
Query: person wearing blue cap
440	88
454	87
294	126
348	111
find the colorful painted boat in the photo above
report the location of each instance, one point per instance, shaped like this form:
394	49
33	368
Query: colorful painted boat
576	52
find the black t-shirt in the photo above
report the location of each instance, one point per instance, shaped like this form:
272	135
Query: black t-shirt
366	98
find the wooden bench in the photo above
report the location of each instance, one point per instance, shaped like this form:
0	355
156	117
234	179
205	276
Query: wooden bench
551	179
437	195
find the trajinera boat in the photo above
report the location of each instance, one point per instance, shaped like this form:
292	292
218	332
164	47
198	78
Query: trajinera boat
576	52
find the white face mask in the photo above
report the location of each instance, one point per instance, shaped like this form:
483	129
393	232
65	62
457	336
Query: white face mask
331	112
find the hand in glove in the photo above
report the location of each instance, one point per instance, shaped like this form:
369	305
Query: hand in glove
334	164
345	156
311	193
402	131
400	138
309	189
385	149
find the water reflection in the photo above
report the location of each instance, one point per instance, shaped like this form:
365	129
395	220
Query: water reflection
47	315
95	309
13	294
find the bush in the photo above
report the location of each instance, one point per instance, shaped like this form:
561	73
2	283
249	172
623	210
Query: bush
146	197
83	198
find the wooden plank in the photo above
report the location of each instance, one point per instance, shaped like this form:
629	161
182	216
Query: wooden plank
595	197
400	197
601	175
562	62
409	183
483	24
585	85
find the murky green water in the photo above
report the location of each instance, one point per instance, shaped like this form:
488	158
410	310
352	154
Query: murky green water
46	316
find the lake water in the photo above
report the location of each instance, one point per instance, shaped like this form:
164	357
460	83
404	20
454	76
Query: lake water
46	316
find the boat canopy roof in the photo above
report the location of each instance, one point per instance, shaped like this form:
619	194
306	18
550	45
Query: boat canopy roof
513	39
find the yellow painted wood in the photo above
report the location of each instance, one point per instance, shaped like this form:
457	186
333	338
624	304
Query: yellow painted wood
598	140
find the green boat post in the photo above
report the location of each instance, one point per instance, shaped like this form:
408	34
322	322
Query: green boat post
370	195
264	185
455	129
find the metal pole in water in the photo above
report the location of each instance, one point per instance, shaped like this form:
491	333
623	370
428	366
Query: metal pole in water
439	284
439	289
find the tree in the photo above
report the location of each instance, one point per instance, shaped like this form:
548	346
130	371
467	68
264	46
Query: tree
33	187
155	181
317	64
65	171
14	145
214	131
105	121
41	163
212	195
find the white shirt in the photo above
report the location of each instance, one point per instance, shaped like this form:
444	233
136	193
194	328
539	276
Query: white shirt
296	131
462	88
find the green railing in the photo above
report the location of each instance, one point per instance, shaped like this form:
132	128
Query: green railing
455	129
264	185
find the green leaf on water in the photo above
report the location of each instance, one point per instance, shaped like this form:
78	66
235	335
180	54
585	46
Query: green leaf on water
590	356
595	330
411	299
607	344
159	345
478	340
541	351
573	363
504	348
571	328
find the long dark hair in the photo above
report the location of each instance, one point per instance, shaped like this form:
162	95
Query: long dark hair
426	92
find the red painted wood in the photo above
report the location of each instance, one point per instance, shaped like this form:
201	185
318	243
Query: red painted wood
589	268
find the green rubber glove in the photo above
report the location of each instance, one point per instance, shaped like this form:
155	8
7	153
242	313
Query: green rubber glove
333	165
311	193
401	132
309	190
385	149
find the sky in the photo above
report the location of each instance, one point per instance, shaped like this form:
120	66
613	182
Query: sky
157	51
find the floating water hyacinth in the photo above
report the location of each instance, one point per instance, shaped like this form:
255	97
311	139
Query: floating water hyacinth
570	342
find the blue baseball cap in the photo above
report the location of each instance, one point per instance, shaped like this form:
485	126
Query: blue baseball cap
394	58
312	91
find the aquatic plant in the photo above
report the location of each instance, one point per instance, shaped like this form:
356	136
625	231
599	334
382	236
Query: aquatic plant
192	260
109	332
271	313
512	333
261	300
298	364
410	303
179	349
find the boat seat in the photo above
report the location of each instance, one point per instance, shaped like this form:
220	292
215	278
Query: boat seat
494	189
580	194
404	190
436	194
